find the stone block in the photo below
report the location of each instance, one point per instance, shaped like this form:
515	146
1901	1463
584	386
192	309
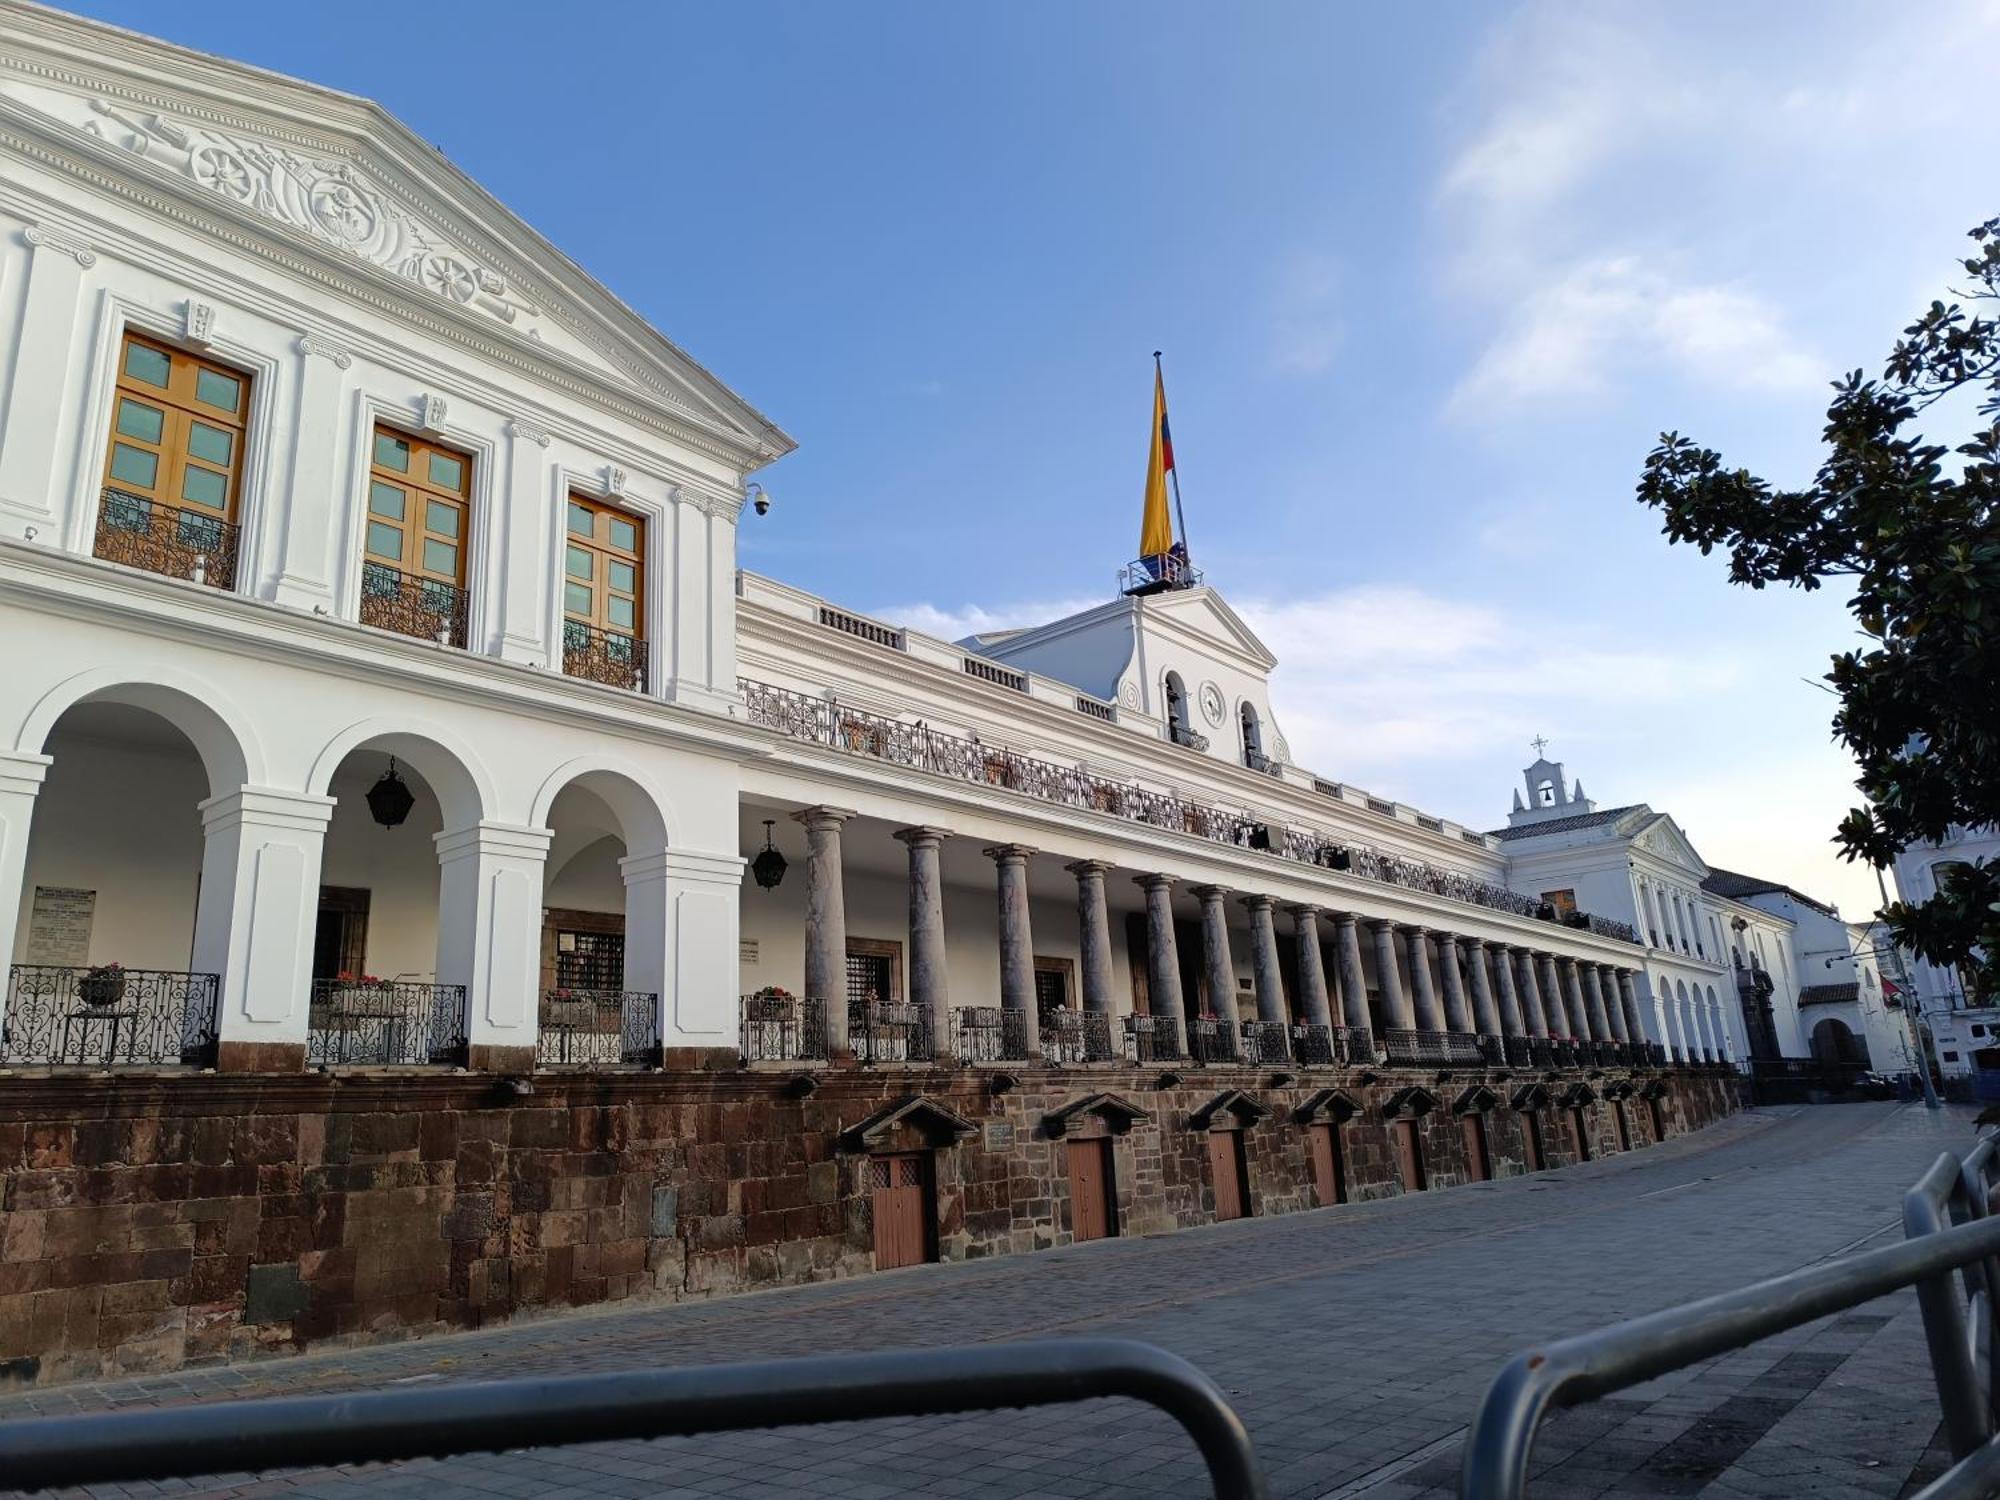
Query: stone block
274	1294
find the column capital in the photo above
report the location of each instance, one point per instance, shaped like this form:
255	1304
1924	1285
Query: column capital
22	772
1256	903
822	817
267	807
1083	867
1415	929
1477	944
922	836
1344	919
1154	882
1004	854
493	838
1381	924
1303	909
1209	892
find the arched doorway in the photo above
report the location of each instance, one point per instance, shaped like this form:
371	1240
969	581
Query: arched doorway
1834	1044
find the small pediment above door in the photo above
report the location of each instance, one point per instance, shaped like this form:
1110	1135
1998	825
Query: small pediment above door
1577	1095
1475	1101
1530	1096
1116	1114
1414	1100
1231	1107
913	1114
1332	1105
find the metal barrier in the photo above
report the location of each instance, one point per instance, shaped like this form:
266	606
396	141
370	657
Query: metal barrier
296	1432
1960	1332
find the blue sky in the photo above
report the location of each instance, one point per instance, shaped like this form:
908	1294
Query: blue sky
1429	279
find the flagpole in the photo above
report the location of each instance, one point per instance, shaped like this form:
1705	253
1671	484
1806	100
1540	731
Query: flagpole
1180	516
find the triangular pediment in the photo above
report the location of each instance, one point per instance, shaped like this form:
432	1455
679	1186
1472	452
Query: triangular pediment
1530	1096
314	180
1330	1104
1413	1100
1203	613
1118	1114
1577	1095
1231	1107
937	1125
1475	1101
1662	838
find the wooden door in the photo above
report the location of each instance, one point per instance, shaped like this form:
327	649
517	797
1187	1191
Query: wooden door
1622	1126
1659	1120
1579	1134
1478	1165
1409	1155
1329	1165
1531	1141
902	1203
1093	1210
1227	1171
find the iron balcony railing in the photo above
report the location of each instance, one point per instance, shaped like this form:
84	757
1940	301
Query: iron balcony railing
1313	1046
824	721
880	1032
1520	1052
1461	1049
1211	1041
107	1017
989	1033
604	656
1257	760
1355	1046
167	539
386	1023
1408	1048
1152	1039
1492	1050
599	1029
1186	738
1076	1036
425	608
1266	1043
783	1028
1542	1052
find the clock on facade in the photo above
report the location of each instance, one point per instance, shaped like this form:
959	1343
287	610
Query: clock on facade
1211	703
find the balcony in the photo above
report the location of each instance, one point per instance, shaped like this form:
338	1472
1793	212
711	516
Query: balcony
385	1023
883	1033
1492	1050
108	1017
424	608
1461	1049
1152	1039
1211	1041
988	1034
1355	1045
1313	1046
599	1029
1520	1052
778	1027
604	656
1413	1049
1187	738
1257	760
166	539
1266	1043
1071	1037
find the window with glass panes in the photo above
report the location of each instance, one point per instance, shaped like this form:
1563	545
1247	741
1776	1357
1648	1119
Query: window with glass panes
418	507
604	565
177	425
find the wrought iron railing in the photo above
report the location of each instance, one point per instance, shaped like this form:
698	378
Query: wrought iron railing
1492	1050
1151	1039
1520	1052
1313	1046
1266	1043
599	1029
879	1032
824	721
1186	738
385	1023
1408	1048
1461	1049
1562	1052
604	656
989	1033
425	608
168	539
1257	760
1076	1036
783	1028
1355	1046
103	1017
1211	1041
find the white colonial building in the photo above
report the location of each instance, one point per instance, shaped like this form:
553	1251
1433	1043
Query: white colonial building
381	688
1964	1027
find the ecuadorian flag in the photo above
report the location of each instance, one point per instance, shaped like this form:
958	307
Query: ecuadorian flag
1156	535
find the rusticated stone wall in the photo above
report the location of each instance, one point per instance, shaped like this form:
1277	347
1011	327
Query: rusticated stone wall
151	1222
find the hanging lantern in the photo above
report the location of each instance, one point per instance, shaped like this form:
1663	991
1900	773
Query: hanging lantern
390	799
768	868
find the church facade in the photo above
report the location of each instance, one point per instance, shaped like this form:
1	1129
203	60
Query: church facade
436	881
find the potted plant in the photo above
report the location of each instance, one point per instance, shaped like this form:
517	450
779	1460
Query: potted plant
102	984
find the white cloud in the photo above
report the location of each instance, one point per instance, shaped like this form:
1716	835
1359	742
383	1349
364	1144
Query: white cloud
954	623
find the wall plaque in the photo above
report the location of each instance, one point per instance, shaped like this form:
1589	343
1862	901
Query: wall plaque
999	1135
59	925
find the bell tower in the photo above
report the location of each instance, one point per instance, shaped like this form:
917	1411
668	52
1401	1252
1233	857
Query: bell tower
1549	793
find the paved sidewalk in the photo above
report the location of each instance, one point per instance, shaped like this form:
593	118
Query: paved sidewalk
1355	1341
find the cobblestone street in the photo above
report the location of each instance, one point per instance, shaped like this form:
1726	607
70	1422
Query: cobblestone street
1355	1341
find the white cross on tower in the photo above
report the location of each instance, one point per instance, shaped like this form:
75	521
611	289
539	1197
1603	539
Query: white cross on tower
1539	743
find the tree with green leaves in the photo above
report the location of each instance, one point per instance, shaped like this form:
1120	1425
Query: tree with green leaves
1915	526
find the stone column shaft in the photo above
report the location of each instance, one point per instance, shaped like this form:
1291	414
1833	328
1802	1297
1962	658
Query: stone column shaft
930	987
1511	1017
1217	965
1614	1013
1423	994
1313	999
1457	1010
1353	979
1270	977
1628	998
1093	921
826	920
1395	1004
1163	962
1554	1002
1485	1014
1593	1002
1533	1012
1572	993
1017	943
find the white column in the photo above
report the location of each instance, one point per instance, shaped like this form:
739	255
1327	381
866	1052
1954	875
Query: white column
37	412
698	617
301	532
490	937
524	534
254	921
20	780
681	944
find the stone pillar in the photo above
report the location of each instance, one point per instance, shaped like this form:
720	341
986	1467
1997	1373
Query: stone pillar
826	921
1511	1017
1017	943
1457	1010
1593	1002
930	986
1353	980
1614	1013
1163	962
1093	924
20	780
1555	1004
1313	1003
682	914
1533	1012
490	938
1628	998
1423	993
254	922
1572	993
1395	1005
1485	1014
1217	965
1271	1007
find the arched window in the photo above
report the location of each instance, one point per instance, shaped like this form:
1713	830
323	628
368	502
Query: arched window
1545	794
1253	738
1177	710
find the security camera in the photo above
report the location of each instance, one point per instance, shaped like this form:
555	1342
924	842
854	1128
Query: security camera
760	498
